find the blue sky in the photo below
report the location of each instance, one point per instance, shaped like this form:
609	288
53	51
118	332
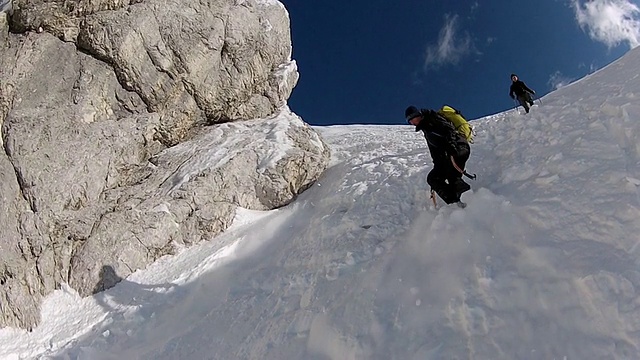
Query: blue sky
365	61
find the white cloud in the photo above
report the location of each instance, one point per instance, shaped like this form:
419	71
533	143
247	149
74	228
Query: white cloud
557	80
609	21
592	67
451	46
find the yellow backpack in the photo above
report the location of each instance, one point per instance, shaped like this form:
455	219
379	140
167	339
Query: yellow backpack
458	121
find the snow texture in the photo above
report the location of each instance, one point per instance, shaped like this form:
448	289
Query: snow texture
217	147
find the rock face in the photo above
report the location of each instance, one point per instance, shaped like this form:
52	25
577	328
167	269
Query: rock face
127	131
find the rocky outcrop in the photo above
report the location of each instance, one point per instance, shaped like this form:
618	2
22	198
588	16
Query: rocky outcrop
190	61
62	18
194	188
130	128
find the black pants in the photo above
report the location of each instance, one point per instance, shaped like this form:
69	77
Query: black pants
446	180
526	101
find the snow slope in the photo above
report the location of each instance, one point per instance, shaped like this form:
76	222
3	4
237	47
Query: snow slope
542	264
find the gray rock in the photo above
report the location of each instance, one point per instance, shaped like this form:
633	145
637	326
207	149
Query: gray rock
228	71
6	9
194	189
117	154
190	61
20	292
6	6
66	123
4	30
61	18
68	139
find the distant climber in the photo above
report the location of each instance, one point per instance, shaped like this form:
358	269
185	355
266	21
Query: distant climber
522	92
449	151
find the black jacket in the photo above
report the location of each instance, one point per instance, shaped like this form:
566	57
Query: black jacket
442	137
519	88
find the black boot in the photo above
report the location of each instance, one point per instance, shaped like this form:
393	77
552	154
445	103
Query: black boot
460	186
447	194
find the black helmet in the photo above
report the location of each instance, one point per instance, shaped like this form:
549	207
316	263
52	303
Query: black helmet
411	112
